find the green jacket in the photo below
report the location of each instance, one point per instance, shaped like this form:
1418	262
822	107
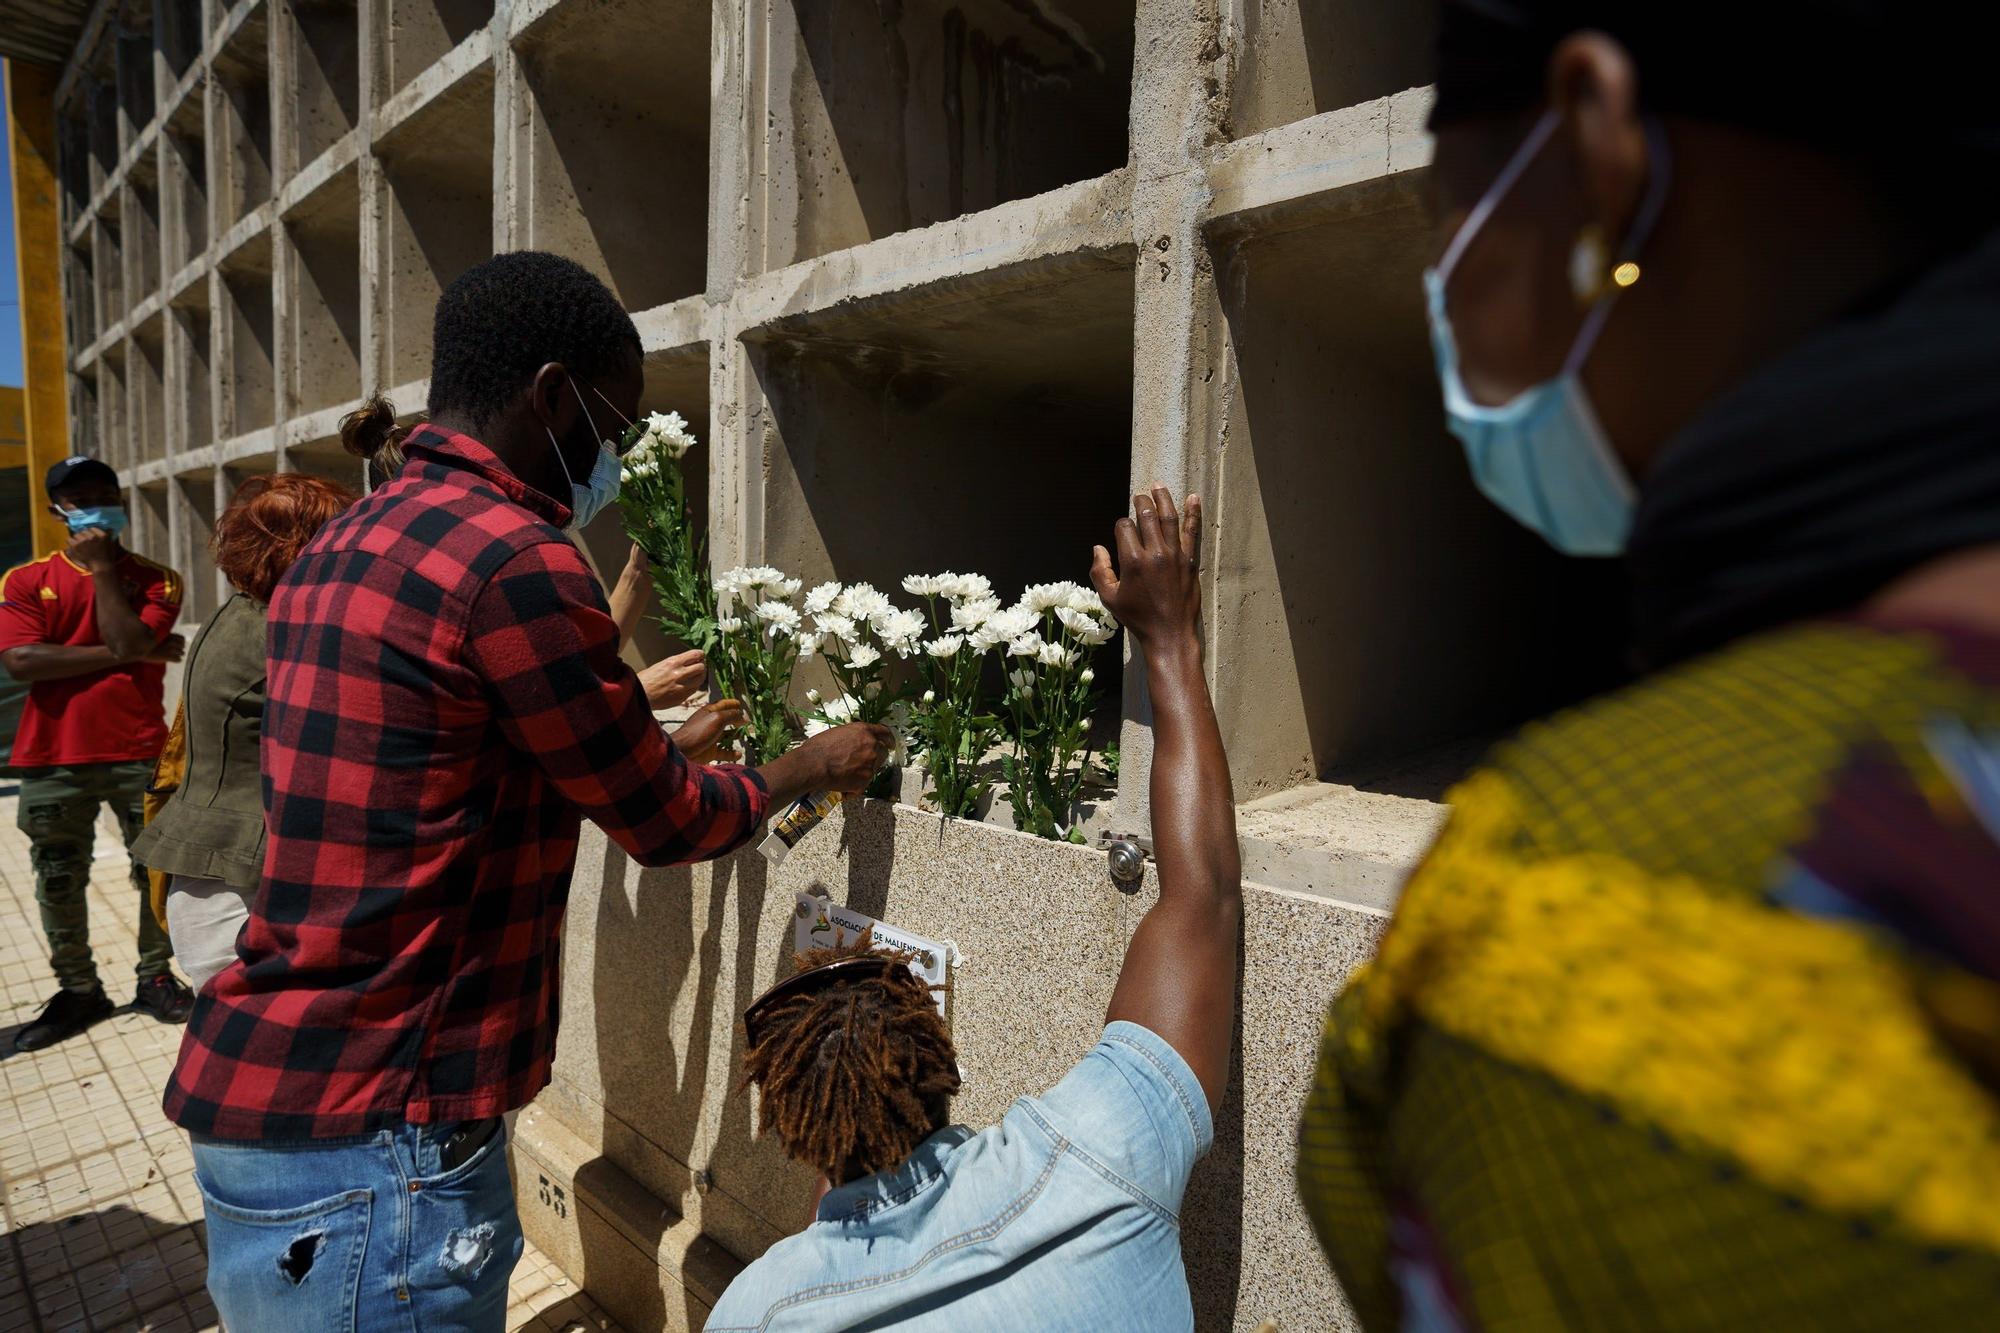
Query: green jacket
212	827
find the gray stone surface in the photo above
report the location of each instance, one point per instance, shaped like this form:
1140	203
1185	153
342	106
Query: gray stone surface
660	964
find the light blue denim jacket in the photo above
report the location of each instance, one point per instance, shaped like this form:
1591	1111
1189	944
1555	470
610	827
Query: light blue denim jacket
1065	1215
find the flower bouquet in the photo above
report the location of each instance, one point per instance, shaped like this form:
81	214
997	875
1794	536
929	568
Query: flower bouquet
950	725
1049	637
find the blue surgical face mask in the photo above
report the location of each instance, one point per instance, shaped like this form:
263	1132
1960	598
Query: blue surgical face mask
1542	456
111	518
601	488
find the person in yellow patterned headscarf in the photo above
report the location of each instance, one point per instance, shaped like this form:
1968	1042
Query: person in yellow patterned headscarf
1691	1019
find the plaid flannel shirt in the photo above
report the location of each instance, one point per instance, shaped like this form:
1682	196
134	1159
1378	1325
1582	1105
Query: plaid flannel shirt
445	698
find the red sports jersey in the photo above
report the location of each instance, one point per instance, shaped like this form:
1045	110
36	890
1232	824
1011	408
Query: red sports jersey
111	716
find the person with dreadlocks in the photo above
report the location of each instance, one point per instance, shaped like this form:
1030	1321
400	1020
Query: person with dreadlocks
444	704
1066	1213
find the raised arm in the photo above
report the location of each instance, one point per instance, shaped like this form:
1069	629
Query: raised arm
1179	978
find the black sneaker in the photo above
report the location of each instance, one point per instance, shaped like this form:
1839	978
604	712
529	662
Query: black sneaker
165	998
70	1012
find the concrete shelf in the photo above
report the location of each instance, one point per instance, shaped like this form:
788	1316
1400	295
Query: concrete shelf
613	144
437	217
141	234
885	119
323	335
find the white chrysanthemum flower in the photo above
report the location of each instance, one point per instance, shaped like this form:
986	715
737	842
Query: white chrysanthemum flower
1087	628
836	626
1087	601
842	710
812	696
975	612
815	725
902	631
822	598
1012	623
625	476
728	625
946	648
924	585
930	696
791	588
1055	655
860	657
761	576
1043	597
1022	680
778	617
862	602
809	644
1086	675
1025	645
966	587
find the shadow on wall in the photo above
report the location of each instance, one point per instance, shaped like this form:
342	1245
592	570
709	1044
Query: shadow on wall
1418	614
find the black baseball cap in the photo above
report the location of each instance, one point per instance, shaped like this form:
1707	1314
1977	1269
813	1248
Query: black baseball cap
78	468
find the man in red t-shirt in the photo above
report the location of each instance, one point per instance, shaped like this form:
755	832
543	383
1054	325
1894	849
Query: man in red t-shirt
89	631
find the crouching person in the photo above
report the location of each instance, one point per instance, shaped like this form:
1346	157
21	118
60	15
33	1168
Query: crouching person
1066	1214
444	702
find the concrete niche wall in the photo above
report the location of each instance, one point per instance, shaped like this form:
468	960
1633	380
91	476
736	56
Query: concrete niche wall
937	285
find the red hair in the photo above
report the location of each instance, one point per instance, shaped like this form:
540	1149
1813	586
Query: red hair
268	523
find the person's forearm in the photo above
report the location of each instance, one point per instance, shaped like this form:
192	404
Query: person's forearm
117	623
627	600
1194	808
791	775
54	661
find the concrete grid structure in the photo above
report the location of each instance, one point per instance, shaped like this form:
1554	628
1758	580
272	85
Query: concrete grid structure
939	284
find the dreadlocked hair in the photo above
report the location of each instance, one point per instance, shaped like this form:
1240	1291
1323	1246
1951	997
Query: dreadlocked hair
855	1076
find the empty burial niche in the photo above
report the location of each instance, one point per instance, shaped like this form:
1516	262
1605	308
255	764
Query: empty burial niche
108	260
420	32
194	387
135	74
243	321
178	23
111	406
242	98
676	381
184	195
153	512
438	218
990	435
80	293
102	103
85	413
1388	619
325	40
193	493
324	332
1301	57
617	144
904	115
141	213
320	458
146	387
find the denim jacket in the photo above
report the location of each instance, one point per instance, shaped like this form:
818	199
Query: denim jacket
1065	1215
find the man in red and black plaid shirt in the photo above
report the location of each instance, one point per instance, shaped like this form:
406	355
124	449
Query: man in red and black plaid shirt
445	702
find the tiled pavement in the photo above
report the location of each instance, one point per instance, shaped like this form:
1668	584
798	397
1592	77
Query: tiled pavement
100	1223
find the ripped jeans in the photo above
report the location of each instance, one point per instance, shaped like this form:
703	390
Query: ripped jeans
361	1234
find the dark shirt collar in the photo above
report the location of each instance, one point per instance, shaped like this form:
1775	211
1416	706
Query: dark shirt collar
453	450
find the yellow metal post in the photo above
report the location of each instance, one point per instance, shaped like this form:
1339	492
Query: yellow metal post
31	130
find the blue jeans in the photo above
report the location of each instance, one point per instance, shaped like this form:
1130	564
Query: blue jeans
358	1234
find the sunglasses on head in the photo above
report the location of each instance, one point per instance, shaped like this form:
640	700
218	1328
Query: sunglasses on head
811	982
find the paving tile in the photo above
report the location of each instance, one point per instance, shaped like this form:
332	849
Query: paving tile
100	1220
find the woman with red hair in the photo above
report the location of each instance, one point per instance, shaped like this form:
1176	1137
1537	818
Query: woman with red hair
209	837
